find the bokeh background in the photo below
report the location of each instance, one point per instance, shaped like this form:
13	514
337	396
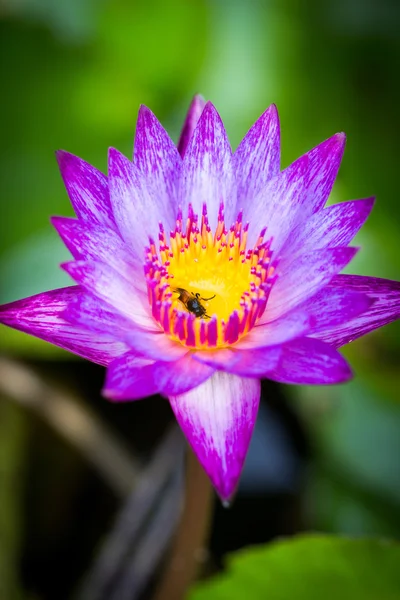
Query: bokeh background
73	74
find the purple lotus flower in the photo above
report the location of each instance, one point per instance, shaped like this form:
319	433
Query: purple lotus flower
199	272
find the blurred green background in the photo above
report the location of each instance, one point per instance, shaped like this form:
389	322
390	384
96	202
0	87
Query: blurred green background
74	73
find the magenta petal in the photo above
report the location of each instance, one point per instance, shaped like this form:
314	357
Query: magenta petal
119	293
100	244
385	295
246	363
218	419
328	228
257	159
308	361
42	316
296	323
322	165
88	311
296	193
303	278
195	109
180	376
157	157
331	306
137	209
207	168
129	377
87	189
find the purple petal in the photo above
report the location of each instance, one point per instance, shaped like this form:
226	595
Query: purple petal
328	228
132	377
137	211
42	316
331	306
321	167
129	377
99	244
157	157
385	295
304	278
180	376
195	109
207	168
246	363
308	361
87	189
294	324
218	419
296	193
88	311
119	293
257	159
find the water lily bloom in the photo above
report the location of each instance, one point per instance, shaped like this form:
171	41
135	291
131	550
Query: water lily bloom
200	271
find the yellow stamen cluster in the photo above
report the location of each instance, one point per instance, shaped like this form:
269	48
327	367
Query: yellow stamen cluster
206	290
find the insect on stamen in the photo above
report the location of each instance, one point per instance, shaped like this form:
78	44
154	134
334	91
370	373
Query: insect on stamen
191	302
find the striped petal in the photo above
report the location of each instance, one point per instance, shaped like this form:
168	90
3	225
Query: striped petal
87	189
328	228
136	209
308	361
303	278
94	314
110	287
207	168
257	159
43	316
297	192
384	308
218	419
157	158
100	244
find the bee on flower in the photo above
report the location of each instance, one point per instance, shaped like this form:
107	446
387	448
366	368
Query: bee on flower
200	271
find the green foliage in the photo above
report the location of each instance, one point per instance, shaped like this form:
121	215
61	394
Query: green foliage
309	567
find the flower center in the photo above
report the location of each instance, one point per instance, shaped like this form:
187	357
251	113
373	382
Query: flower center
206	289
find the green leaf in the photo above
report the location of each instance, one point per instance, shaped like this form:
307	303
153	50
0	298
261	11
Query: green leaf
310	567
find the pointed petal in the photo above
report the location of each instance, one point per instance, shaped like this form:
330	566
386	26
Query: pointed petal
246	363
207	168
42	316
129	377
87	189
304	278
257	159
320	167
333	226
218	419
195	109
308	361
296	193
137	211
119	293
385	308
101	244
157	157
